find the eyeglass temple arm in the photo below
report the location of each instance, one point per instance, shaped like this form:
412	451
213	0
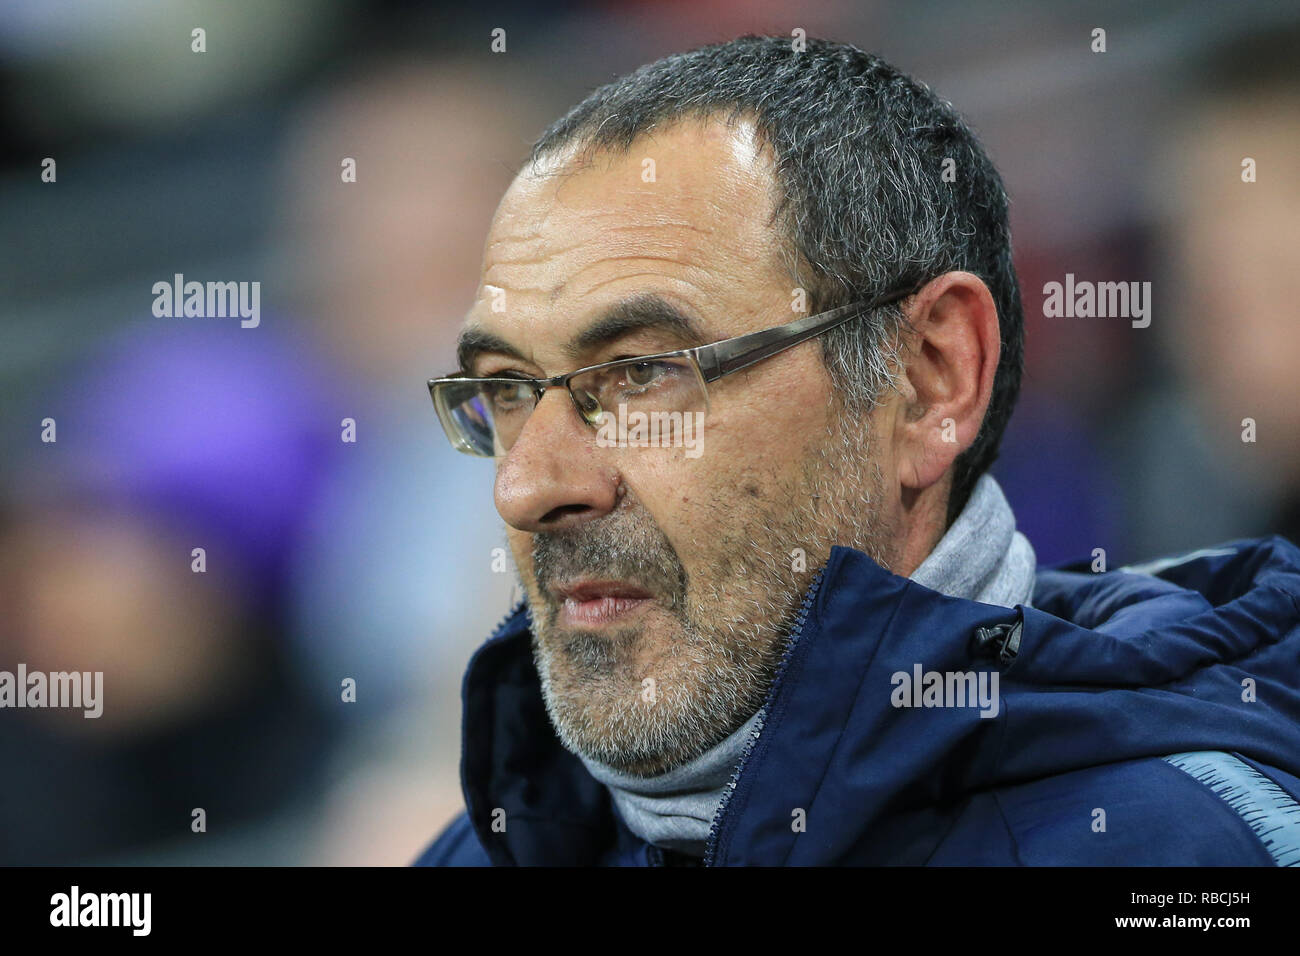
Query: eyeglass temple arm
731	355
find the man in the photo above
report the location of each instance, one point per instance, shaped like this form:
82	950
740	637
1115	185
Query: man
777	611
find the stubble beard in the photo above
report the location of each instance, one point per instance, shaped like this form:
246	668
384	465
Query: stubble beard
730	621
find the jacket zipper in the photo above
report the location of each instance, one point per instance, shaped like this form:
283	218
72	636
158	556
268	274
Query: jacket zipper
710	847
496	631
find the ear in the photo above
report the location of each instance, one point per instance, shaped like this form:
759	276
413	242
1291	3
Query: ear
949	361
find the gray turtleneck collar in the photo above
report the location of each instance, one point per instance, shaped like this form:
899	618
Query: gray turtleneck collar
981	557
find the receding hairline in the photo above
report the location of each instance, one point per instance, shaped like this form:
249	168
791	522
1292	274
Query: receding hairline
583	149
585	146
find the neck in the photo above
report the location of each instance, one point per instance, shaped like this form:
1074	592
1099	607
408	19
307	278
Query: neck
922	523
981	557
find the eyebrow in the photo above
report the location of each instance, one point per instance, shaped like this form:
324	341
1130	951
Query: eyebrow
645	312
475	341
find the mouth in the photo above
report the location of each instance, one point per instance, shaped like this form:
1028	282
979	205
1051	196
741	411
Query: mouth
594	603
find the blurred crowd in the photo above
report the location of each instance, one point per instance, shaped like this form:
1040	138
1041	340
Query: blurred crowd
184	507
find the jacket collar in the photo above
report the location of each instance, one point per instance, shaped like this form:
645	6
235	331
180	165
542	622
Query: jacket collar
531	801
1106	667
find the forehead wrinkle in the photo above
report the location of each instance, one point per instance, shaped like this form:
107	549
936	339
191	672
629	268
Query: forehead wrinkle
648	243
535	252
528	248
670	253
621	223
588	290
551	234
718	245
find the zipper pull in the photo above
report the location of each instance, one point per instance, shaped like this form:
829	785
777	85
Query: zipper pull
1000	642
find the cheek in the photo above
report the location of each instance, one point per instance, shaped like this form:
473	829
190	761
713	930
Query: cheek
757	438
773	411
703	506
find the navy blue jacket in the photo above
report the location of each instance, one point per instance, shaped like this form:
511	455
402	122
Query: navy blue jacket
1147	716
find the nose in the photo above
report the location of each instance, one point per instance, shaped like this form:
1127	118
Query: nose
554	477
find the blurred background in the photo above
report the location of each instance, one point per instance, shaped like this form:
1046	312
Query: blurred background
327	559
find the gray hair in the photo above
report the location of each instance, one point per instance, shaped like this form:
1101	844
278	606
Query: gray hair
860	152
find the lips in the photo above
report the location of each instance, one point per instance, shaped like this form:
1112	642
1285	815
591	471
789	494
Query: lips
595	603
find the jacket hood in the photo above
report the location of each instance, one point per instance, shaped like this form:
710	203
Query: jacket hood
1190	654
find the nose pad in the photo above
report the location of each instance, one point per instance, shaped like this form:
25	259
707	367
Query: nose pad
587	404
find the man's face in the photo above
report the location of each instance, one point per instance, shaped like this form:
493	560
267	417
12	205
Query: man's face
661	584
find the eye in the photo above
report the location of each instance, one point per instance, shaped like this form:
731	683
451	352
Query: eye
505	397
641	374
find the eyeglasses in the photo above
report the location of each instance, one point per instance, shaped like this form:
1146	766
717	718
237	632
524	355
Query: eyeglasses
485	416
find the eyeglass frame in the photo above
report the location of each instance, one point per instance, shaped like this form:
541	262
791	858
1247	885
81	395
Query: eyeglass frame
713	360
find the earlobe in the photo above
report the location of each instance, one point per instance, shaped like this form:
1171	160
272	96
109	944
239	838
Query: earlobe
934	445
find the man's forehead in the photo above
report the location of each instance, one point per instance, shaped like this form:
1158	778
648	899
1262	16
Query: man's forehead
685	211
700	176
